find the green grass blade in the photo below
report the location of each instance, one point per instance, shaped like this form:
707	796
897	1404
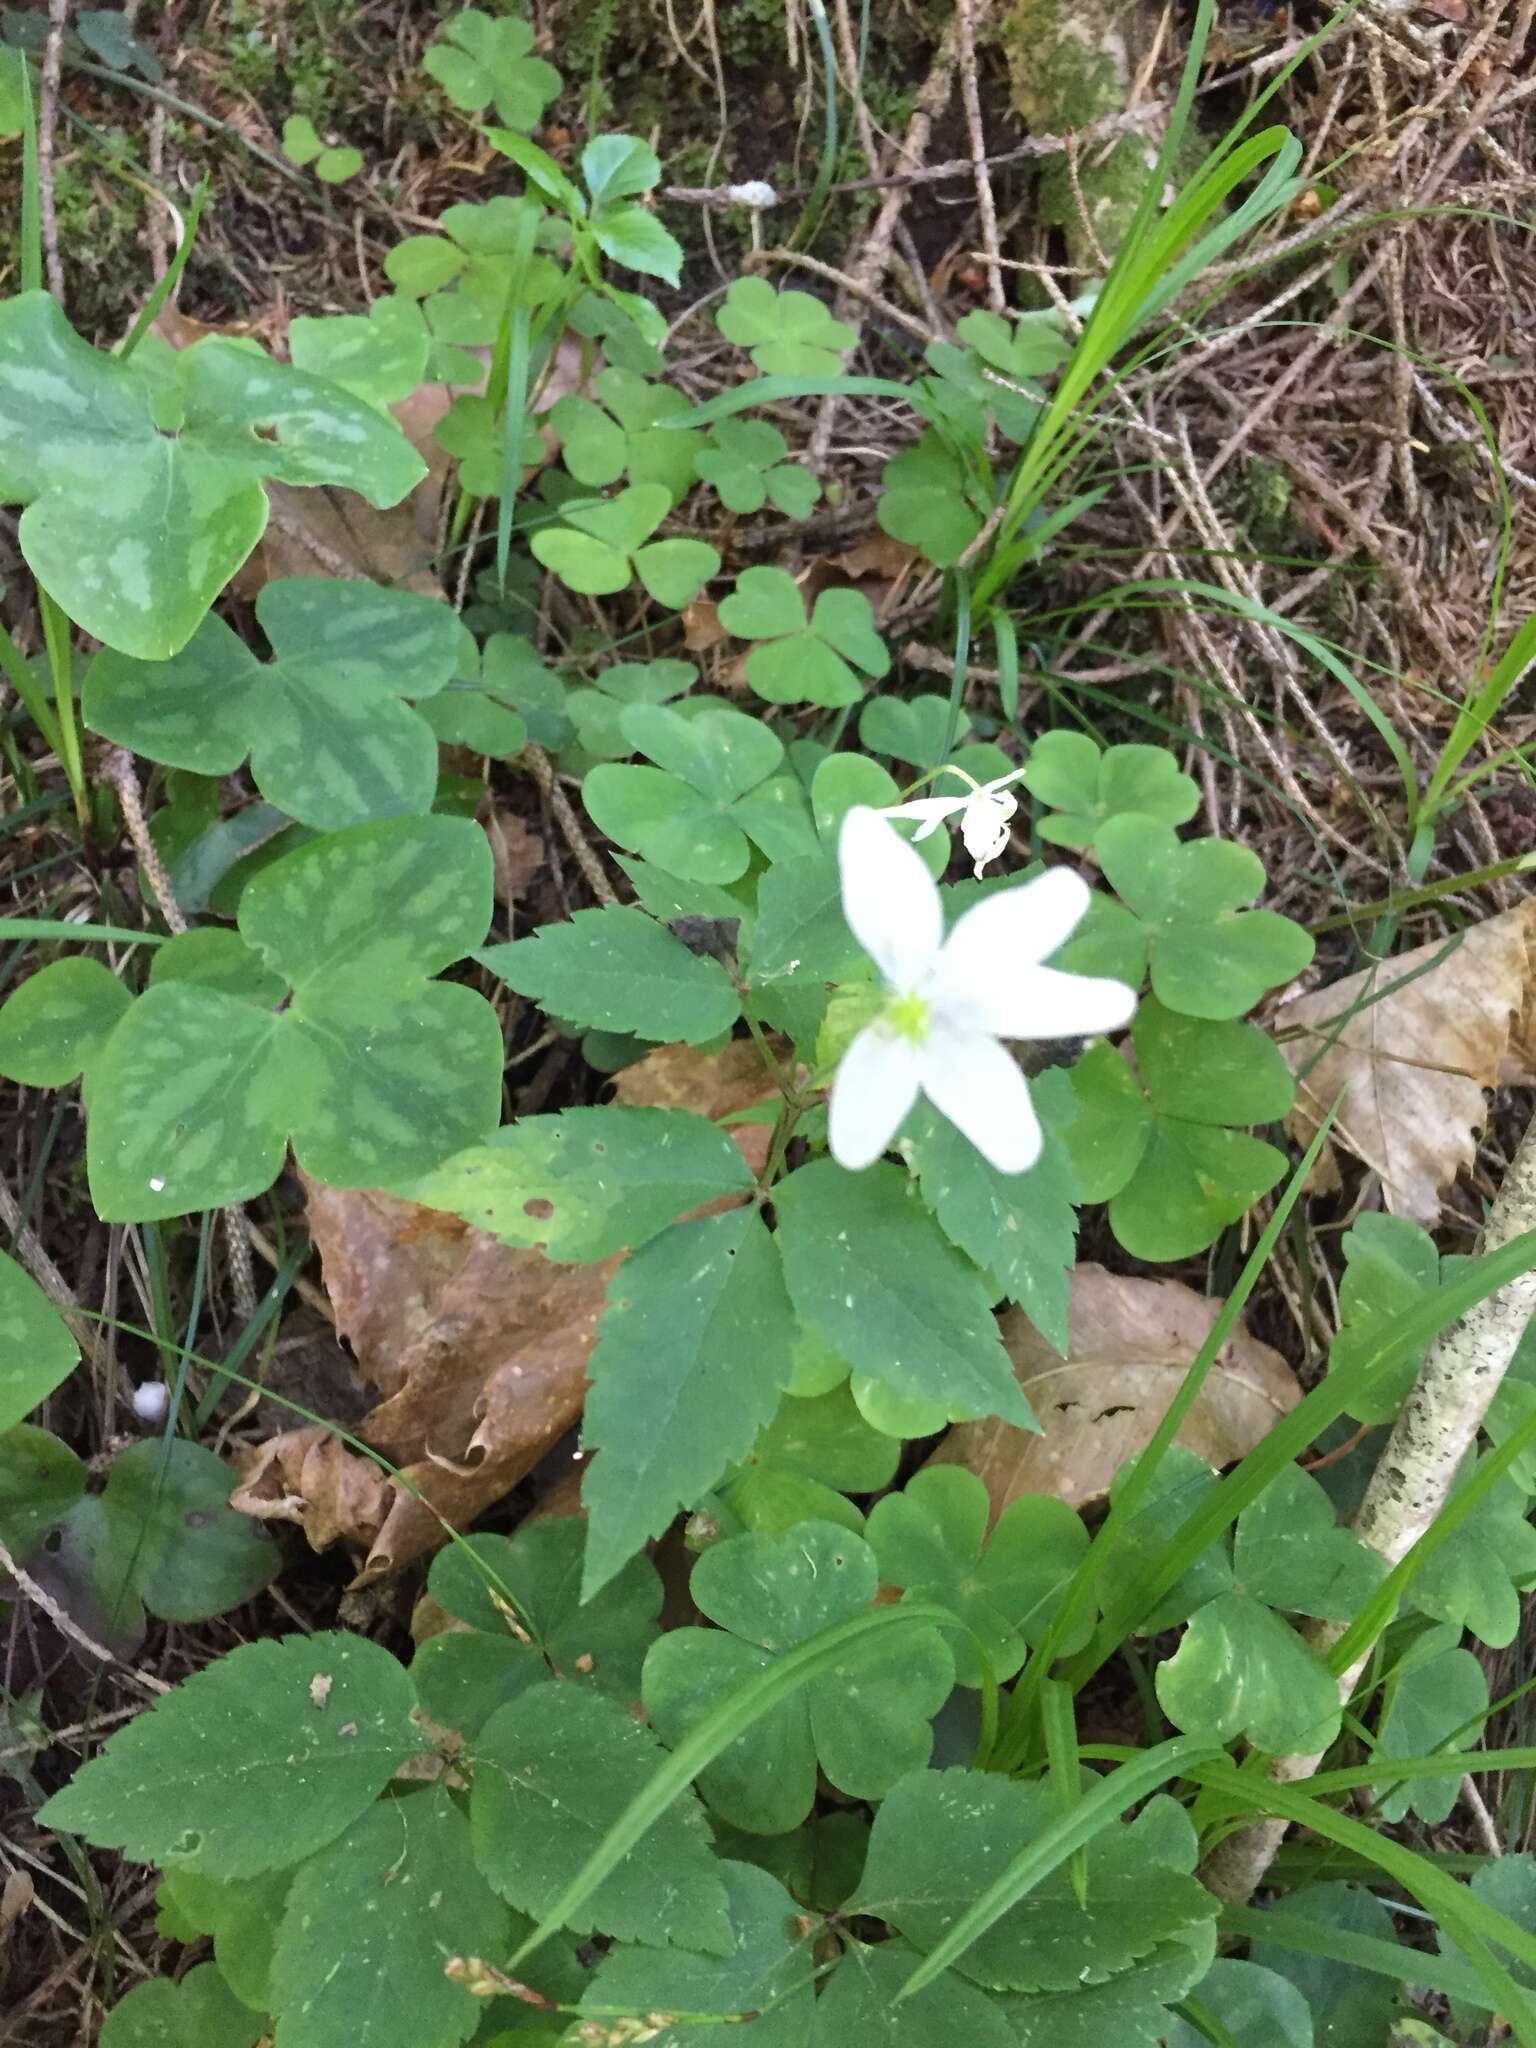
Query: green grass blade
61	928
1474	718
167	285
1303	1937
1109	1798
769	390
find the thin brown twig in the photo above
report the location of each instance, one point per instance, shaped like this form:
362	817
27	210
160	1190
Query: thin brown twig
986	207
47	124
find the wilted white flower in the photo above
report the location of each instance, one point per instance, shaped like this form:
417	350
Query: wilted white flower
985	814
756	193
950	1001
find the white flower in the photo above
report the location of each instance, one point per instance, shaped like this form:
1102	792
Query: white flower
950	1001
985	814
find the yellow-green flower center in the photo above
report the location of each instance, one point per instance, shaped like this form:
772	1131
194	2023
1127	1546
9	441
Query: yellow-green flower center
906	1017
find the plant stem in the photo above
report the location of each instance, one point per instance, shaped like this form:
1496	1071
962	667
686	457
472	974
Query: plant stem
1412	1481
56	640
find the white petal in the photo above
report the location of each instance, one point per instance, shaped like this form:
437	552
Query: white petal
1000	940
933	810
875	1085
978	1085
889	898
1043	1002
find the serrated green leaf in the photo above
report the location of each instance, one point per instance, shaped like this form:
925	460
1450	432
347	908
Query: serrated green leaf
1019	1227
866	1722
1290	1552
942	1837
58	1020
371	1923
618	969
1240	1670
766	1977
871	1274
557	1751
931	1540
692	1353
142	478
252	1763
37	1353
588	1182
40	1481
860	2005
198	2011
331	743
632	236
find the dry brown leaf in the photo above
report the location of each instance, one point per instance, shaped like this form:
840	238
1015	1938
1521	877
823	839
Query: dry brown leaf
713	1084
1414	1065
310	1477
517	851
1129	1344
478	1350
702	629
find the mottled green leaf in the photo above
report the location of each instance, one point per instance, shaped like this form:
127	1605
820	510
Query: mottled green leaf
58	1020
37	1353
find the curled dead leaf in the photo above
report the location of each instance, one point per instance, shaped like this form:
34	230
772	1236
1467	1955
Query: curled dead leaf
713	1084
310	1477
1129	1344
517	851
1413	1065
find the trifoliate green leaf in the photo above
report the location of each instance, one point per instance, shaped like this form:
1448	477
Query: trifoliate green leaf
1209	956
1476	1575
766	1977
681	813
1033	345
1021	1228
942	1837
1241	1670
1391	1262
552	1772
372	1922
927	500
242	1917
216	958
58	1020
481	60
692	1354
142	478
1086	786
911	729
37	1353
618	969
866	1722
201	1090
789	333
330	740
605	543
817	1448
619	432
745	461
1291	1553
931	1539
804	660
872	1276
1349	2006
1180	1482
253	1763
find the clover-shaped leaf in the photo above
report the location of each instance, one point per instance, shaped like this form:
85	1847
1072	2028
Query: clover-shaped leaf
198	2010
200	1089
482	60
596	711
1241	1670
942	1837
745	463
928	499
804	660
41	1479
1073	776
1209	956
1290	1552
1033	346
910	729
142	479
1391	1262
468	275
865	1723
817	1448
1165	1154
330	740
680	813
931	1539
333	162
789	333
606	543
1475	1577
1437	1699
623	435
58	1020
529	1620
